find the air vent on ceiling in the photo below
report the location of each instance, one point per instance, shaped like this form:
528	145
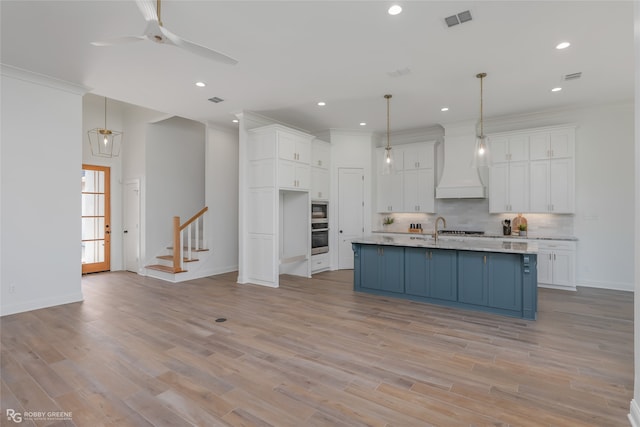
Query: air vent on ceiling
572	76
216	100
460	18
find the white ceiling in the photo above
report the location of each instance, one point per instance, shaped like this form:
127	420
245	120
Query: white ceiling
293	54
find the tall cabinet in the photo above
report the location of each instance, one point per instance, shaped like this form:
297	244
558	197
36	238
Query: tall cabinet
532	170
275	206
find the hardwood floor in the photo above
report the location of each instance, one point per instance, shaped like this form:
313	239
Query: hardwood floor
139	352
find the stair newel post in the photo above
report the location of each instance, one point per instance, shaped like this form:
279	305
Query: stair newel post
177	244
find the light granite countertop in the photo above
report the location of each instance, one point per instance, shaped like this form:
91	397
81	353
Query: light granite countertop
426	241
482	236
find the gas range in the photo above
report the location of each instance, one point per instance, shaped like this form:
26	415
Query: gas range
460	233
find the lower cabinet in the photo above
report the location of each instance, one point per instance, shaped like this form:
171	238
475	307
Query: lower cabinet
497	282
430	273
385	271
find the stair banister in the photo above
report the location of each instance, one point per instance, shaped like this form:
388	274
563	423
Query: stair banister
178	237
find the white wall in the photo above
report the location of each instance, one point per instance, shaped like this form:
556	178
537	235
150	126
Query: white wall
93	117
175	179
40	207
349	149
634	414
222	198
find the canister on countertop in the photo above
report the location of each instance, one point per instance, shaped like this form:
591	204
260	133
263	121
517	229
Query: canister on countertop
517	222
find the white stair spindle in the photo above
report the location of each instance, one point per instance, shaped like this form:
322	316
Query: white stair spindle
189	241
204	230
181	251
197	234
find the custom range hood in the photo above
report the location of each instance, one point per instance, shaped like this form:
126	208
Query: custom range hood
460	180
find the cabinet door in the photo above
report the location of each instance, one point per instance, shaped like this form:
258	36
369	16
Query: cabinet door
539	185
418	156
539	146
499	149
505	281
472	278
562	273
319	184
519	148
320	154
545	266
303	177
286	174
518	187
426	190
286	146
410	189
561	187
415	270
369	267
443	274
499	188
303	151
561	143
392	268
390	192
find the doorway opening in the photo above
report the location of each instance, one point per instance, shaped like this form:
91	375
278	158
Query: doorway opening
96	208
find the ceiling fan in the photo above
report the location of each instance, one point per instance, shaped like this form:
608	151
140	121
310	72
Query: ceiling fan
157	33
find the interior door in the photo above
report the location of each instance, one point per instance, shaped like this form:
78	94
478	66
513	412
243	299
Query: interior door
96	231
131	226
350	213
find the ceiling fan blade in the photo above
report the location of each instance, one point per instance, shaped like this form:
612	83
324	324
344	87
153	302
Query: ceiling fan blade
148	9
118	40
197	49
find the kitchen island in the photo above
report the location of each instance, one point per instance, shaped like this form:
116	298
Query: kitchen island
497	277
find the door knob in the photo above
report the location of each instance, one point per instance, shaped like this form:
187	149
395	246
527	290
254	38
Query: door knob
125	231
340	231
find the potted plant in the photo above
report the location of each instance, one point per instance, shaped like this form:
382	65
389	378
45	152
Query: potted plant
388	220
523	229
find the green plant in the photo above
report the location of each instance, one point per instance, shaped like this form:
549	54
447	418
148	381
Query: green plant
387	220
522	227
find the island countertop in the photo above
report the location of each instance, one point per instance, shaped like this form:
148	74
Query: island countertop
481	245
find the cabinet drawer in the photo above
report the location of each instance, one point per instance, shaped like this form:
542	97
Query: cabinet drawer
319	262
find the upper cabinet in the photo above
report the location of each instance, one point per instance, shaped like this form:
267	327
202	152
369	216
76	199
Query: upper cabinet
320	162
411	185
533	171
320	154
294	148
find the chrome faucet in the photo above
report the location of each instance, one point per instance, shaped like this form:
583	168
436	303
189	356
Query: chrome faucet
444	225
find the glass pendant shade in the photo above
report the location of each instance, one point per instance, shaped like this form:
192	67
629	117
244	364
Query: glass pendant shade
387	159
105	142
481	148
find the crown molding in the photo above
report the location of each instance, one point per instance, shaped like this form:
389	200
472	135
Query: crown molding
41	79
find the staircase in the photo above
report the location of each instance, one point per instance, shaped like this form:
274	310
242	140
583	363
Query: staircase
188	242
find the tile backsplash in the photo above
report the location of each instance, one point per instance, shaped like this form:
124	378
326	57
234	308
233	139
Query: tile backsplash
473	214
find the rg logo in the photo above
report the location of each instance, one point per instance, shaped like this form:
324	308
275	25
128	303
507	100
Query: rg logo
14	416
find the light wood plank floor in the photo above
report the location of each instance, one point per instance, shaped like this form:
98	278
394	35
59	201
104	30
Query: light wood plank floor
139	352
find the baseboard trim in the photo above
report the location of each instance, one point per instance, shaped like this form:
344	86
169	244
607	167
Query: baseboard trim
634	414
615	286
41	303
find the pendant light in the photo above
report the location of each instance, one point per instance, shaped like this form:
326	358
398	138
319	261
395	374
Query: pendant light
387	165
105	142
481	152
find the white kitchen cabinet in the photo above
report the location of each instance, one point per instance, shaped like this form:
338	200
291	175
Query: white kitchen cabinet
552	186
320	154
509	148
552	144
294	148
293	175
319	262
509	187
556	264
418	189
411	185
533	171
320	175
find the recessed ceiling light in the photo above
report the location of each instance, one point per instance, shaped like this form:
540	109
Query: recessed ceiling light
444	109
563	45
201	84
556	89
322	104
395	9
235	121
363	124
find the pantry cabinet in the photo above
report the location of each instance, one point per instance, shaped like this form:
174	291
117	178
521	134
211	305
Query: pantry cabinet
533	171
